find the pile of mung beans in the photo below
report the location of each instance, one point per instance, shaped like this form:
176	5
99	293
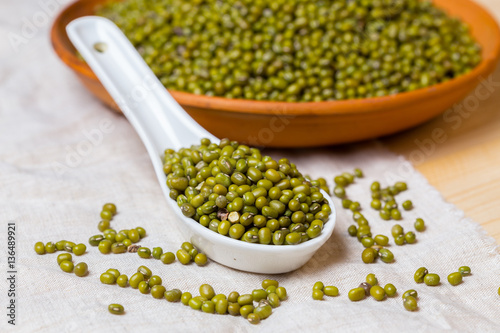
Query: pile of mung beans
255	306
370	287
422	275
62	245
319	290
293	50
111	241
214	182
233	190
374	246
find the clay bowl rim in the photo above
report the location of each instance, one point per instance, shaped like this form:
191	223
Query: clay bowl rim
60	43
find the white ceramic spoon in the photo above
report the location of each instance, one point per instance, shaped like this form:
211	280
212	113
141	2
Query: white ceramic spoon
162	123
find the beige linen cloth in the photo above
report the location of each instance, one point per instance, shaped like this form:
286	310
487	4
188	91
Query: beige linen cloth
63	155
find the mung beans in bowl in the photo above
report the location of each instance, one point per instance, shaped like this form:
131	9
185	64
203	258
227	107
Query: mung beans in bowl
294	74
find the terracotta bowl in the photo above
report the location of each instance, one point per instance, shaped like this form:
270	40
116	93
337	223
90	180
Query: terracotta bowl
285	124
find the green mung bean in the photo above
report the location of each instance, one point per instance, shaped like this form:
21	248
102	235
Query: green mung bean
410	303
175	295
381	240
81	269
281	292
154	280
144	252
67	266
431	279
390	290
116	309
106	215
259	294
234	309
420	274
183	257
118	248
145	271
185	297
111	207
331	291
95	240
455	278
167	258
419	225
105	246
158	291
318	285
386	255
377	292
195	303
200	259
245	310
122	280
135	279
143	287
273	299
410	292
397	230
400	240
464	270
60	245
207	291
114	271
368	255
157	252
39	248
108	278
356	294
352	230
245	299
64	256
410	237
233	297
371	279
141	231
317	294
103	225
50	247
263	311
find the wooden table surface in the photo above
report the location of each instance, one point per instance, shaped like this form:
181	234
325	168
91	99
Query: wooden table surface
466	167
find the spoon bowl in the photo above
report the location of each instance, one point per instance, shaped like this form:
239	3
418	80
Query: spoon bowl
162	123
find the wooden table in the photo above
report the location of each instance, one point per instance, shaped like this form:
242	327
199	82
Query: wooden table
465	168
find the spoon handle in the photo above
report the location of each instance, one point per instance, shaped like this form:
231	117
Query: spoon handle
161	123
158	119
